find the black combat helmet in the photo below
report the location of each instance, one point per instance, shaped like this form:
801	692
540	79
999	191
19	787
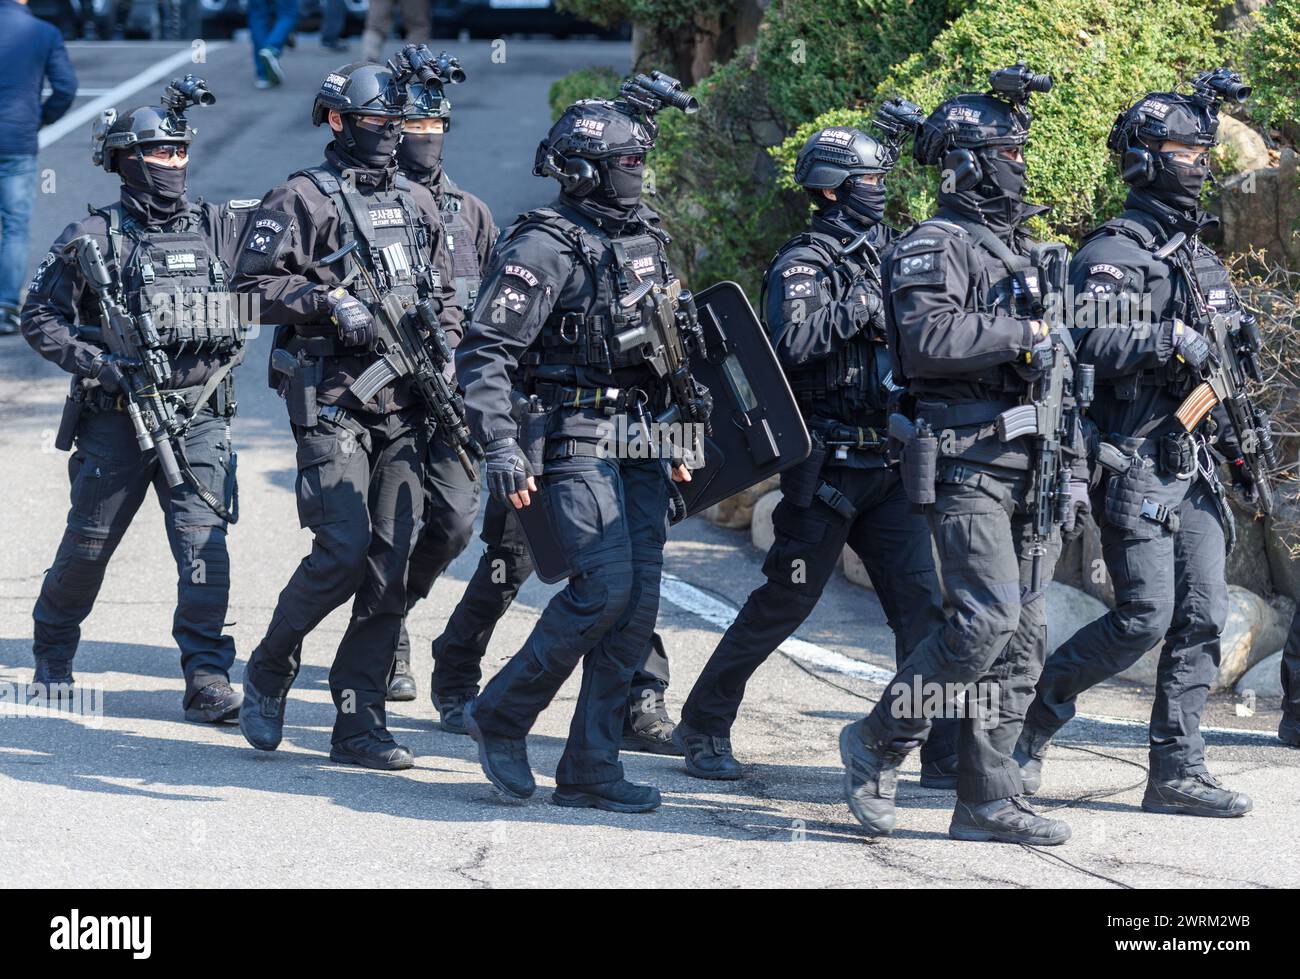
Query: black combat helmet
596	149
137	127
970	122
1192	120
163	123
360	88
428	102
832	155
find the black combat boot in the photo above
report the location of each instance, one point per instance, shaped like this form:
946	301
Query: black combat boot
617	796
648	727
706	756
261	719
52	679
216	703
1197	794
401	685
372	749
1005	821
1288	730
1029	754
451	710
870	774
940	774
504	760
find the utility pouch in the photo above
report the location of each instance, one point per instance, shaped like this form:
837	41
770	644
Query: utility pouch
920	460
534	426
300	392
71	416
1133	504
1177	456
799	484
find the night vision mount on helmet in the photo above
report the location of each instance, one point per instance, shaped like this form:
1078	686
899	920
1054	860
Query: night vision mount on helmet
956	134
163	123
577	149
1191	119
428	74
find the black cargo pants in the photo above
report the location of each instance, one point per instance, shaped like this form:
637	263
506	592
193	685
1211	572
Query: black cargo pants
360	493
110	478
894	545
994	637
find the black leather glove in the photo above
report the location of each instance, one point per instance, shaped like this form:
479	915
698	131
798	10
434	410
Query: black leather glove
1192	348
505	470
356	325
109	370
1243	479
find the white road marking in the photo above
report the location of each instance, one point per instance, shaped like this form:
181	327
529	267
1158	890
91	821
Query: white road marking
688	598
85	113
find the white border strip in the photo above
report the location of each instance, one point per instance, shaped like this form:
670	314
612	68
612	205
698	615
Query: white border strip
691	599
83	114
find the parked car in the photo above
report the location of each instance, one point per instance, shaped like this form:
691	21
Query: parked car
493	18
79	18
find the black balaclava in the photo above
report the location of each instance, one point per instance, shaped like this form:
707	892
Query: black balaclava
151	191
616	201
420	155
866	201
625	184
997	199
371	149
1179	184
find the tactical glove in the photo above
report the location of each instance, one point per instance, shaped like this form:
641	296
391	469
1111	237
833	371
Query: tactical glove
109	370
1192	348
1078	506
505	469
355	324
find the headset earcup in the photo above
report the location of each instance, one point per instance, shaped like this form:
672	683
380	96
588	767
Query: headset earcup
580	177
1138	167
964	167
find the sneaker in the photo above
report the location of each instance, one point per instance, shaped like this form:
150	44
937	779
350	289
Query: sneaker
270	63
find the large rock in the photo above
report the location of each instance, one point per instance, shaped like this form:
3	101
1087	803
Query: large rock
854	569
1264	679
1280	540
1247	565
736	512
1240	146
760	528
1261	210
1081	566
1251	634
1236	16
1068	610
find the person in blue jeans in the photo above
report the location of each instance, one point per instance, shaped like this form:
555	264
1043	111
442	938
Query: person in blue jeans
32	51
270	22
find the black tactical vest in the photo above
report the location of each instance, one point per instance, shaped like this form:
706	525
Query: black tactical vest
177	278
583	338
848	382
460	243
394	240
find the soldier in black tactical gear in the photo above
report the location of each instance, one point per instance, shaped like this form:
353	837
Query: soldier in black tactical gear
1288	731
544	344
825	313
1164	517
451	497
168	258
964	301
329	252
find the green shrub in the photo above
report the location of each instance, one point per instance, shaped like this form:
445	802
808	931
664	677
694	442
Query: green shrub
585	83
1102	54
819	54
1272	66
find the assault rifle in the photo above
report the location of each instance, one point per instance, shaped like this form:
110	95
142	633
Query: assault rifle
1236	338
144	364
1046	417
411	343
668	318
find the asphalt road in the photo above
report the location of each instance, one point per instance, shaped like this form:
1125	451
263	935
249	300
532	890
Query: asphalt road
130	795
